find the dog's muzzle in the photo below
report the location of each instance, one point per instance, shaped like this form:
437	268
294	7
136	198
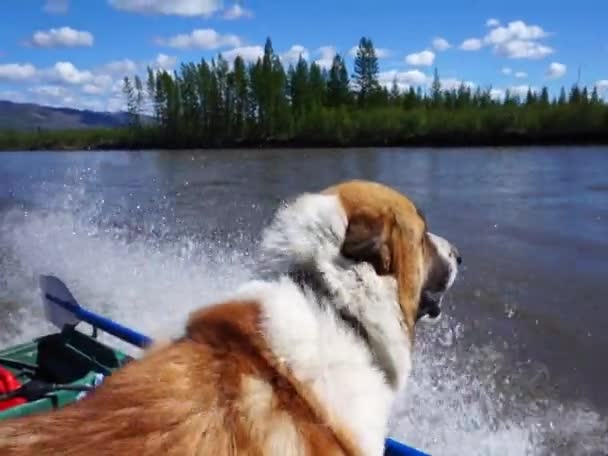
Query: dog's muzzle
429	305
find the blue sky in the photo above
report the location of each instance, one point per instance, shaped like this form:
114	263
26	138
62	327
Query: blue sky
75	52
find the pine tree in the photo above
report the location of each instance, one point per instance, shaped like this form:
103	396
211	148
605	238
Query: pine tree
280	105
395	92
131	99
575	95
410	100
299	88
436	89
463	96
139	99
338	92
530	97
224	97
191	109
562	96
366	70
241	93
595	98
153	95
317	86
585	95
544	96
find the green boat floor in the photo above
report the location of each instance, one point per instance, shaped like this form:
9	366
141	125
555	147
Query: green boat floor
69	357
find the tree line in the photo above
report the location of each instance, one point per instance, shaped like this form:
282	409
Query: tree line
219	103
215	103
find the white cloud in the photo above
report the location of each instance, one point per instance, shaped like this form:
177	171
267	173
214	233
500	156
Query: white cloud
471	44
454	84
522	90
92	89
169	7
67	73
64	84
236	12
120	67
62	74
51	91
17	71
405	79
69	96
201	39
521	75
165	62
556	70
381	53
497	94
519	49
51	95
327	54
507	71
516	30
116	104
117	86
293	54
492	22
441	44
62	37
247	53
56	6
424	58
518	40
602	87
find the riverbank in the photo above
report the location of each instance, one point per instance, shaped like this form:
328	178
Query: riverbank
122	139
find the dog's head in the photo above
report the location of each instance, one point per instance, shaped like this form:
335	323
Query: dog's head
386	229
366	222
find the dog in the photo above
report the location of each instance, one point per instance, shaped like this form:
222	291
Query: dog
306	359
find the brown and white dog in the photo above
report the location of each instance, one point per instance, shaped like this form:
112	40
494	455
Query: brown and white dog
307	360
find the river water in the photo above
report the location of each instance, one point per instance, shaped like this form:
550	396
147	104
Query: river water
519	364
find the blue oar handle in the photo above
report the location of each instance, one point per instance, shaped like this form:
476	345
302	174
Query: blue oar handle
394	448
105	324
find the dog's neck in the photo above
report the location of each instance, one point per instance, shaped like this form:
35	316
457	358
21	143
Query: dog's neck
336	324
313	282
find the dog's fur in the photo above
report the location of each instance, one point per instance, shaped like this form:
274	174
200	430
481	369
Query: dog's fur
305	361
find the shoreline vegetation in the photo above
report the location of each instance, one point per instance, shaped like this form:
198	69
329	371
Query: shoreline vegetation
221	104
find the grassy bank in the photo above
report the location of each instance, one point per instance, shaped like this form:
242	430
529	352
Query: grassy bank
493	125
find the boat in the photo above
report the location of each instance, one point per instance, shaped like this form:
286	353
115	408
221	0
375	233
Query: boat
60	368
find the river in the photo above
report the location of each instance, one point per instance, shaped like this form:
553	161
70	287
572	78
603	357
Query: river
519	364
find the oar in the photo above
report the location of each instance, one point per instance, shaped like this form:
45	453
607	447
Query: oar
394	448
62	309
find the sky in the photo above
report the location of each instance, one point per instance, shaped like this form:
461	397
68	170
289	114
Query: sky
74	53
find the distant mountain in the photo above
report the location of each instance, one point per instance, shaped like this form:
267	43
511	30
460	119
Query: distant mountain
29	116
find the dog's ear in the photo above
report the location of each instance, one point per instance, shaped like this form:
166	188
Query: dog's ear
367	239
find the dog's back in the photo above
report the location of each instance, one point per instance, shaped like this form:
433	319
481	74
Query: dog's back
217	391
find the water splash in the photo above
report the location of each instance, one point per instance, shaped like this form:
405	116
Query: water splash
461	399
